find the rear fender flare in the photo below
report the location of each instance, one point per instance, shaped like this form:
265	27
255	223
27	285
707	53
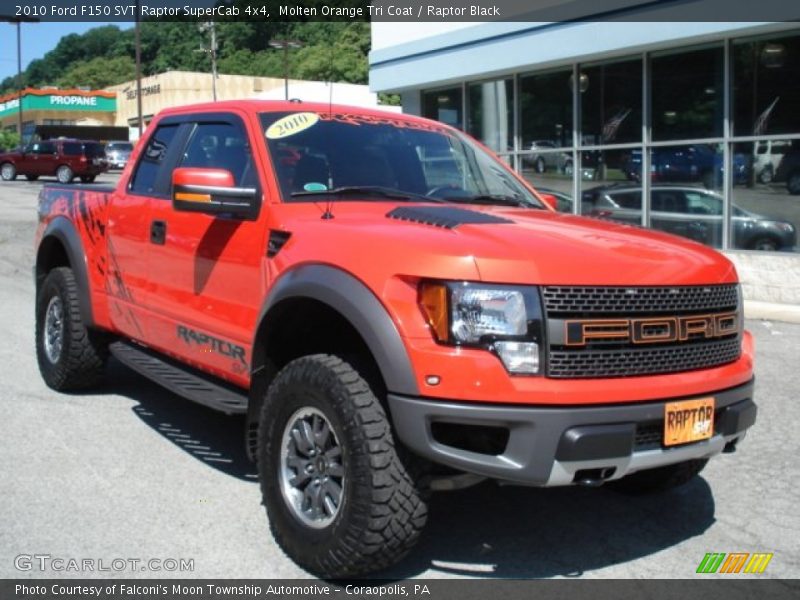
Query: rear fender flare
62	229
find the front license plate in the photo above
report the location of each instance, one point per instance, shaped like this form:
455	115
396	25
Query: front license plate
688	421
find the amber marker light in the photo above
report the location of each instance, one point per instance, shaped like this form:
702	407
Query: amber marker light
433	302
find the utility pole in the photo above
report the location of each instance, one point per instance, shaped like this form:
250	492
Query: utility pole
285	45
19	77
138	43
20	86
212	50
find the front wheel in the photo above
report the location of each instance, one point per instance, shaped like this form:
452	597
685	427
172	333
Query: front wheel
70	356
340	501
64	174
660	479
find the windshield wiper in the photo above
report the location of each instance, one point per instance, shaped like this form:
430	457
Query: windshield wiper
491	199
369	190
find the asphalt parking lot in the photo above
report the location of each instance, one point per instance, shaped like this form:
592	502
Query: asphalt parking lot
132	471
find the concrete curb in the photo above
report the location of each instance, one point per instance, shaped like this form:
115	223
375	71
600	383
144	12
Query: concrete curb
771	311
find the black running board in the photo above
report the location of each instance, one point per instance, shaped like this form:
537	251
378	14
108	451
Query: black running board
180	379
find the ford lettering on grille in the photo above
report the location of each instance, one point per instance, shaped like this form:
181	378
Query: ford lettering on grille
650	331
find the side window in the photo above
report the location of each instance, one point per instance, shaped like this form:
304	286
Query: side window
669	201
144	178
630	200
46	148
73	149
221	146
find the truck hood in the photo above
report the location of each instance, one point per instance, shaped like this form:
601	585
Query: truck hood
512	246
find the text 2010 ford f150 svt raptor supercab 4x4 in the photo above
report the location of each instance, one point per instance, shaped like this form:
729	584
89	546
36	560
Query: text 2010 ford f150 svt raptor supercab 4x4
395	311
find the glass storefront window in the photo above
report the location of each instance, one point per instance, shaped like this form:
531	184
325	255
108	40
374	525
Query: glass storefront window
766	86
550	173
545	108
685	191
687	94
766	211
612	185
491	113
445	106
611	103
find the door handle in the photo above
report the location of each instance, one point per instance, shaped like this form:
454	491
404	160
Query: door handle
158	232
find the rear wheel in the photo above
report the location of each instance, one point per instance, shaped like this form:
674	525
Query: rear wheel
64	174
793	183
540	165
70	356
8	172
765	244
340	500
660	479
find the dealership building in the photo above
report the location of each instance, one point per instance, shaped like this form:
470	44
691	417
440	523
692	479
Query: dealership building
585	109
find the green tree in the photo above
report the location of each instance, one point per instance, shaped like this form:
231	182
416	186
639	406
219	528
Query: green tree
99	72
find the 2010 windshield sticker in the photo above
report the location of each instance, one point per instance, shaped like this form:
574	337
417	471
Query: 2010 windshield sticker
291	124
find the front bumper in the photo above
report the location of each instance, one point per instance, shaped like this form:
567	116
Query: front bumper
549	446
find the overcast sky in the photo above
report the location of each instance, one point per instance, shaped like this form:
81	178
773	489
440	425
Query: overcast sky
37	40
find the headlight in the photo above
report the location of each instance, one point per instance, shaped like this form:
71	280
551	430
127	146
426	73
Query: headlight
505	320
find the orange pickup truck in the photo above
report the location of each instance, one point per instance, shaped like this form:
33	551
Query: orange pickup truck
396	312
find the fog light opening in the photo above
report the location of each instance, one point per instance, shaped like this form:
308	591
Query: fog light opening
482	439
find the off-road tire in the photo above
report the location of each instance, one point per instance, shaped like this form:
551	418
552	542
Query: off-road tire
382	511
793	183
8	172
64	174
660	479
81	361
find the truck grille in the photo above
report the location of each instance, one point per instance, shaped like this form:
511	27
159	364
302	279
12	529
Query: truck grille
598	301
603	358
642	361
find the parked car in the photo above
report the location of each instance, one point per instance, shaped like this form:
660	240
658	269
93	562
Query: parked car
767	158
788	171
546	158
64	158
118	153
699	163
690	212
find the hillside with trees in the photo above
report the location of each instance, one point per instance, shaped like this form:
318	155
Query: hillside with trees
104	56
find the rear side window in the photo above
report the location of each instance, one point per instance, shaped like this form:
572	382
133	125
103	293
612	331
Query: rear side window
94	150
150	162
221	146
72	148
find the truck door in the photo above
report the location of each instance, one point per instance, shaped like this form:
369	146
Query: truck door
128	237
205	271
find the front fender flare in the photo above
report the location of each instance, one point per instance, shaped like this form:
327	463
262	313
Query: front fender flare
362	309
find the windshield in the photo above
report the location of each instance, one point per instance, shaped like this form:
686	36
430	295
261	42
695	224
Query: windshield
332	154
119	146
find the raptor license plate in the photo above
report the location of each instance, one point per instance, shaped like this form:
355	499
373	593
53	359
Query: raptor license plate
688	421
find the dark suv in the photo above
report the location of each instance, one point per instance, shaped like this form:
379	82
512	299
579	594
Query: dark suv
64	158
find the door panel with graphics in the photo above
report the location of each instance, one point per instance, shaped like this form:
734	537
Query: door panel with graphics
205	276
129	237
